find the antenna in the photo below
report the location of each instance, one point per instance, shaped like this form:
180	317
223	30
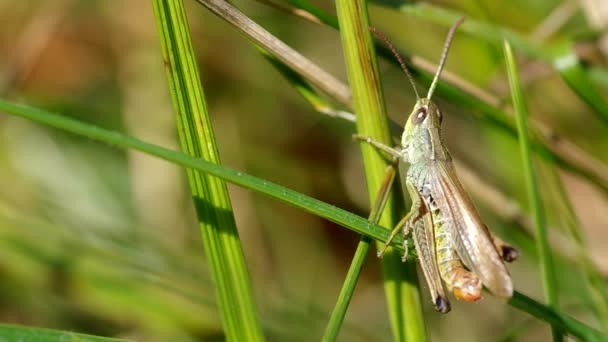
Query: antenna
383	36
444	55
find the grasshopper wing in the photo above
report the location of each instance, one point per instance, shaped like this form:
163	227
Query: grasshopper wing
471	238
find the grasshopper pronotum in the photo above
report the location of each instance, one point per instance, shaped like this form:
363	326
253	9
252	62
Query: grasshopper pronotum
451	240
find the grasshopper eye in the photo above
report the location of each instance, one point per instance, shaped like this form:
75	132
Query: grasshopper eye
419	115
440	115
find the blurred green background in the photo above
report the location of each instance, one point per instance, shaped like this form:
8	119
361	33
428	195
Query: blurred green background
96	240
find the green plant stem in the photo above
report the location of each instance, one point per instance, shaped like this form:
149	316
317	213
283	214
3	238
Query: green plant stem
368	102
227	265
344	218
542	241
346	292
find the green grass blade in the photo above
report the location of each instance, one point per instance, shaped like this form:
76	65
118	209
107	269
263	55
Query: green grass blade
232	282
368	103
542	240
342	217
19	333
346	292
324	210
555	318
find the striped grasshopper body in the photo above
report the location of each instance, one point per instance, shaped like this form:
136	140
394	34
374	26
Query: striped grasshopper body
452	242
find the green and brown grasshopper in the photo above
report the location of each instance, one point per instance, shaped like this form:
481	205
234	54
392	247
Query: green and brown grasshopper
452	242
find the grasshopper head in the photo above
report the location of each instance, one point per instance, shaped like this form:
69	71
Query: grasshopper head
424	115
418	132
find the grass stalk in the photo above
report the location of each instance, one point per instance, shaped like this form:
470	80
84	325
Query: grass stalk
221	242
370	110
538	216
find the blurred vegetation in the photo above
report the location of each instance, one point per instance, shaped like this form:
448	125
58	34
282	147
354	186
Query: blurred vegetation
101	241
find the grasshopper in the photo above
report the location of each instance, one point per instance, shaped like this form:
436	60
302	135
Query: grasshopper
452	242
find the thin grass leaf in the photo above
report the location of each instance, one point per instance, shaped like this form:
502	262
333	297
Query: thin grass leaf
346	292
555	318
218	228
324	210
20	333
344	218
538	215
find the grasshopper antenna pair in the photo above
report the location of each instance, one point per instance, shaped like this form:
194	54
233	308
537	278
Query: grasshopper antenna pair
442	60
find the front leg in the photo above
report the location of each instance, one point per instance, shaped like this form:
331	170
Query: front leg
393	152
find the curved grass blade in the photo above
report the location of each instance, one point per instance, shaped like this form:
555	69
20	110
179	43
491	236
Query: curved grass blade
342	217
542	240
232	282
555	318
